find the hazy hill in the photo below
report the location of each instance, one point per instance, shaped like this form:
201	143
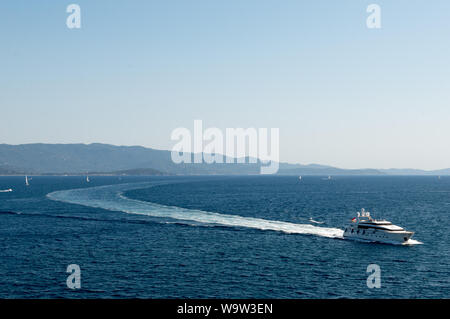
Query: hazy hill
6	170
132	172
410	171
138	160
83	158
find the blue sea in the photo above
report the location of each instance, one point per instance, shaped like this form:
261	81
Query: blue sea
220	237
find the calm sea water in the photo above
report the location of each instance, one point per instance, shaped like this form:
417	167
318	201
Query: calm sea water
220	237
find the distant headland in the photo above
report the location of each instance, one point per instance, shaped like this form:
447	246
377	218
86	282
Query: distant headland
106	159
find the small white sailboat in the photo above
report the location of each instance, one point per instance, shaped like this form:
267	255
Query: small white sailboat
300	178
26	181
87	179
329	177
6	190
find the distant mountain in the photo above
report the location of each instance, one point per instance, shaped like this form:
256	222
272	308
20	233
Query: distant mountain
6	170
324	170
405	171
445	171
64	158
137	160
127	172
132	172
314	169
411	171
104	158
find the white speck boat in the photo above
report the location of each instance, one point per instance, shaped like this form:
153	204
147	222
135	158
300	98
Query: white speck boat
364	227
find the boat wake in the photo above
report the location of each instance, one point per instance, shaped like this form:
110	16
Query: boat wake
412	242
112	198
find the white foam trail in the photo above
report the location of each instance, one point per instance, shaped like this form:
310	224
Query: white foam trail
111	198
413	242
410	242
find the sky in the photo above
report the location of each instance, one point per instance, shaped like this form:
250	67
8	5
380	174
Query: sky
340	93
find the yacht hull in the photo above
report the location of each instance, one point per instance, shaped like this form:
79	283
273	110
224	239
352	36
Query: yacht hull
395	237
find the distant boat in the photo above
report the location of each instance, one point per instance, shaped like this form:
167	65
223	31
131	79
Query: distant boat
6	190
315	221
26	181
87	179
329	177
300	178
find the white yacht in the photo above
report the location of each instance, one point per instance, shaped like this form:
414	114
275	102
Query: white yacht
364	227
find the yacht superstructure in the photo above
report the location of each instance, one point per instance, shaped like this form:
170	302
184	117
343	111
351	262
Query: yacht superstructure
364	227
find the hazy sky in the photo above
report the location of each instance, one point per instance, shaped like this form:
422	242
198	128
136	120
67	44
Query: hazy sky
340	93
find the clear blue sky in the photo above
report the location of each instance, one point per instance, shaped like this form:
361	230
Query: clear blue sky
341	94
